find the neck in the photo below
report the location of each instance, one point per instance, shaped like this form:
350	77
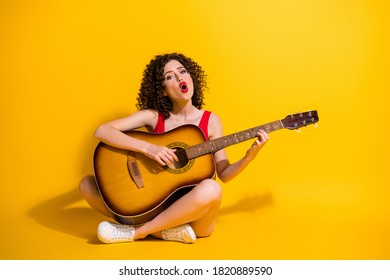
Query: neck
184	110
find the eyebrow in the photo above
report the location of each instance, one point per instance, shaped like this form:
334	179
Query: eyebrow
180	67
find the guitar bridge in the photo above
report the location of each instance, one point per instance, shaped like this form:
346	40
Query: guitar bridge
133	167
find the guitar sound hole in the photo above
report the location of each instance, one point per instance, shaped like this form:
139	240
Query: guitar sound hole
182	156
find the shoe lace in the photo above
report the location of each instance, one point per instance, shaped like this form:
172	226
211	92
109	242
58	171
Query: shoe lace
177	233
122	232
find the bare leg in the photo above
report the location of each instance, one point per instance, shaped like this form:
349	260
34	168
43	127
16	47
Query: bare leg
199	207
89	191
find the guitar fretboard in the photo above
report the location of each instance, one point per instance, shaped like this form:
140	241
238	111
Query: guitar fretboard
215	145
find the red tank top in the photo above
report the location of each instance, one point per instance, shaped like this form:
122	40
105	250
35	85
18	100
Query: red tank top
203	124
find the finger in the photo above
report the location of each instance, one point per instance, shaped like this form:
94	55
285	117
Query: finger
169	154
162	158
263	135
168	159
173	155
159	161
259	141
260	138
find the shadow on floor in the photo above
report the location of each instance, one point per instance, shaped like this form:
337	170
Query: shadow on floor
249	203
59	214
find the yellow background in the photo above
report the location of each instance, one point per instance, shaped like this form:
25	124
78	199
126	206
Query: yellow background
68	66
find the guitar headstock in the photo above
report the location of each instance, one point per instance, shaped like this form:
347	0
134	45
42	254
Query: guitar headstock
295	121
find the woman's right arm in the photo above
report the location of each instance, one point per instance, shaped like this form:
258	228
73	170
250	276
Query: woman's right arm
111	133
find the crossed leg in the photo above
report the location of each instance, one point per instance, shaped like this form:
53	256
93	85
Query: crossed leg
199	207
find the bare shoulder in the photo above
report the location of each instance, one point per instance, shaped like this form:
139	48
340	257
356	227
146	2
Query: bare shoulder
146	114
142	118
215	126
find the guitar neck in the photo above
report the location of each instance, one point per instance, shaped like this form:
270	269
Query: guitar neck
215	145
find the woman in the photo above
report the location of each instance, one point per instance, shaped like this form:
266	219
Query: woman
171	95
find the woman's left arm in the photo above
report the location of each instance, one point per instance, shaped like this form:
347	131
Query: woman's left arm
227	171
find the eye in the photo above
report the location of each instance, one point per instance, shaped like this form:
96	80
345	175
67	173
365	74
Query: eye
183	71
169	77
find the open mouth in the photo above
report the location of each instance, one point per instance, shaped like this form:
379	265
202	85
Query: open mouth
183	87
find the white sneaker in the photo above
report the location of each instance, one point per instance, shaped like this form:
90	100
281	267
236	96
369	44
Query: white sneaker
114	233
183	233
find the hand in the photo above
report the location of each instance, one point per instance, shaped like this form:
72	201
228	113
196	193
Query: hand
257	145
161	154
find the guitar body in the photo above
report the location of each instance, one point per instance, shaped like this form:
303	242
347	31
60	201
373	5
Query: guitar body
136	188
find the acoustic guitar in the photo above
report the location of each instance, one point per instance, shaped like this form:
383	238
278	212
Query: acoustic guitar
136	188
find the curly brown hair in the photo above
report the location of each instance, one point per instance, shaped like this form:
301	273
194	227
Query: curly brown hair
151	92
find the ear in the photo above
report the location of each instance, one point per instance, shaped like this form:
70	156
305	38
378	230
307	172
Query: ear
165	94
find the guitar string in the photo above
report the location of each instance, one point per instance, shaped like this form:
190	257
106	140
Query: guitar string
217	144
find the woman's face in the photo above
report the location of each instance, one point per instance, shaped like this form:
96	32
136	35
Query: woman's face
177	81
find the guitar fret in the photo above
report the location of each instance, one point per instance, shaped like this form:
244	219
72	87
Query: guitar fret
215	145
267	128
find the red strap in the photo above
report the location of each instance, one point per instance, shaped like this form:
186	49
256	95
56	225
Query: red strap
160	127
204	124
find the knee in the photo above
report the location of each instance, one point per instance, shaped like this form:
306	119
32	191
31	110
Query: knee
87	185
210	190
